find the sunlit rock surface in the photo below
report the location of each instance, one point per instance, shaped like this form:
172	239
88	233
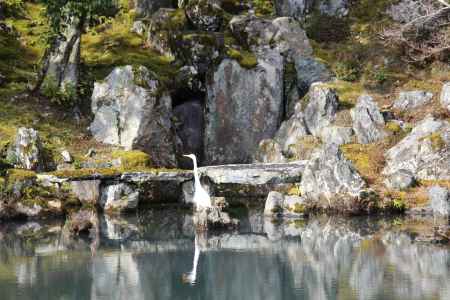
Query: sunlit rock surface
131	111
425	151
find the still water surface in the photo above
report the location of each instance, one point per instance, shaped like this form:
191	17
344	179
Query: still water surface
158	255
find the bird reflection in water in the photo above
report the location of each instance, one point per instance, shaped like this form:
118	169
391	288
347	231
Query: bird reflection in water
200	244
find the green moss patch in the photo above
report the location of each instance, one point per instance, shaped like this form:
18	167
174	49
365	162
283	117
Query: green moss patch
14	175
367	159
437	142
132	159
246	59
113	44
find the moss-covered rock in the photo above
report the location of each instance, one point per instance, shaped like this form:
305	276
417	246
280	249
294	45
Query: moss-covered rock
131	159
202	50
246	59
205	15
165	29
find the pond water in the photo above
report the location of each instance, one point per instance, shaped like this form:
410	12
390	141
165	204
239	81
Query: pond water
158	255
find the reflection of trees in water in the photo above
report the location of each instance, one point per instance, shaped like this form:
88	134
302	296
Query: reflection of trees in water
323	258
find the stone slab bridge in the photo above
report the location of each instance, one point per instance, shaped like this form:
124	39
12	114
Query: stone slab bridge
243	182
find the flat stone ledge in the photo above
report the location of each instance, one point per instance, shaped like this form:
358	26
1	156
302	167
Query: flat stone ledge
255	174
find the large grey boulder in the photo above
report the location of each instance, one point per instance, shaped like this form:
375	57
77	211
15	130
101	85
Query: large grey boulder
310	70
132	111
301	9
279	205
145	8
400	180
328	175
368	122
120	197
321	109
445	96
27	152
284	35
424	152
293	140
338	135
412	99
439	200
269	151
292	130
243	107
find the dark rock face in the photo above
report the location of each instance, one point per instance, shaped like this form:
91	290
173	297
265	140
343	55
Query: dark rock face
310	70
301	9
2	11
200	50
2	79
243	107
284	35
165	29
205	15
189	127
158	137
145	8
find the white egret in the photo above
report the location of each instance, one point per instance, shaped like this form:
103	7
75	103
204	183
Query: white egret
201	197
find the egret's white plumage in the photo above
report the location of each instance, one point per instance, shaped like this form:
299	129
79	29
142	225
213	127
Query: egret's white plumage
201	196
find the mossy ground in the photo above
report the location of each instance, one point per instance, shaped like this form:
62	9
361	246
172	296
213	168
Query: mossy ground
112	44
363	63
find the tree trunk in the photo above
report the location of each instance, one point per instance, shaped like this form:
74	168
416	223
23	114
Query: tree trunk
60	69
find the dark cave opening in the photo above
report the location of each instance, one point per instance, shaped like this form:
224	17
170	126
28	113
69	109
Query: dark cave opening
188	112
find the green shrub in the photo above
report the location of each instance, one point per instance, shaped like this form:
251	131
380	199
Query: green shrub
347	71
264	7
13	8
66	95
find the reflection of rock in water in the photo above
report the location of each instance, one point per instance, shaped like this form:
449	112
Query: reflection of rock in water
120	278
143	258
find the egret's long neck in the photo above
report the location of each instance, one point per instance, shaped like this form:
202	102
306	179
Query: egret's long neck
196	175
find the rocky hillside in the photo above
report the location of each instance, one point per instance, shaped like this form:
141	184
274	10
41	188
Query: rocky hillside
326	82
